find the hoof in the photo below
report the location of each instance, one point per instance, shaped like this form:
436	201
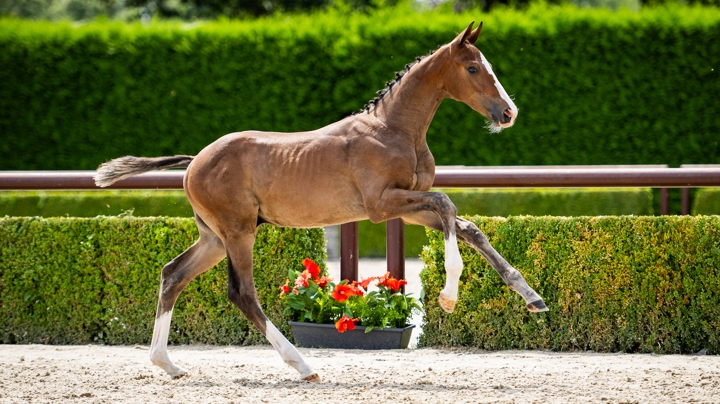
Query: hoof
537	306
446	304
180	373
313	378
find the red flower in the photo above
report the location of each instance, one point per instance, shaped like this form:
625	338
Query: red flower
345	323
382	280
302	279
358	291
322	282
390	282
285	289
366	282
395	284
344	291
312	267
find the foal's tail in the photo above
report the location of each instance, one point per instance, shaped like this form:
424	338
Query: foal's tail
123	167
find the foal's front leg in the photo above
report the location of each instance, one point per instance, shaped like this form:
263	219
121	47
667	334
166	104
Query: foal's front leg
472	236
475	238
399	203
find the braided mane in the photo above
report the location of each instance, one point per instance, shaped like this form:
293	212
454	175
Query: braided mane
389	85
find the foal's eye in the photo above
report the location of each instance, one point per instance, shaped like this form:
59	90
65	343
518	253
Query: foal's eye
472	69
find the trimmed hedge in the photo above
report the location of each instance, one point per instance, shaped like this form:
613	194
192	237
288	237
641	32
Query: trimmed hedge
94	203
74	281
706	202
511	202
593	86
486	202
631	284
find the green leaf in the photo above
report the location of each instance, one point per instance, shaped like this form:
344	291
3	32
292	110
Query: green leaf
296	302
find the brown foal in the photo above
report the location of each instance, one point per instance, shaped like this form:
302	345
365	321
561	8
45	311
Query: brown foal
373	165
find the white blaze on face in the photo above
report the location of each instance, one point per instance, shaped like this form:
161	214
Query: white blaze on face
503	94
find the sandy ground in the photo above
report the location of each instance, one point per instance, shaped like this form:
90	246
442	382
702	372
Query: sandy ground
112	374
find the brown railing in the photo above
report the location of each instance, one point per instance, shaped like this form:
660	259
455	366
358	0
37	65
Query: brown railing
470	177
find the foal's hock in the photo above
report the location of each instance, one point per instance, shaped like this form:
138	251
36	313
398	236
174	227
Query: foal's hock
373	165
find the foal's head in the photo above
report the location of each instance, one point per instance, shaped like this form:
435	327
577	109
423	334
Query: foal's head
470	79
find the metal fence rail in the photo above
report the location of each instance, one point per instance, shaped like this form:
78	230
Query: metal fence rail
469	177
623	176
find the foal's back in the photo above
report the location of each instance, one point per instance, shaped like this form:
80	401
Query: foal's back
301	179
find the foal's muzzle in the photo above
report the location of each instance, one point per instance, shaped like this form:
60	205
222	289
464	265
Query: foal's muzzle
506	119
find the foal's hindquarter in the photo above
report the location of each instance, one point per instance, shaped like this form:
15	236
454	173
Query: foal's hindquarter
372	165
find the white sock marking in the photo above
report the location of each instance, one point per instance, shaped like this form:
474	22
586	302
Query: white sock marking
453	267
158	348
287	351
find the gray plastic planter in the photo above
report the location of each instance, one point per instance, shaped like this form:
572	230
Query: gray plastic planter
311	335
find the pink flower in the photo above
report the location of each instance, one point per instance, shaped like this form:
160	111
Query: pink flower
302	279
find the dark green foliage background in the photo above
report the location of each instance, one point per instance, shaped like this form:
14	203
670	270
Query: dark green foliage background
593	86
75	281
630	284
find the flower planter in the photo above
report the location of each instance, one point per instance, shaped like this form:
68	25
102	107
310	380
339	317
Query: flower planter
311	335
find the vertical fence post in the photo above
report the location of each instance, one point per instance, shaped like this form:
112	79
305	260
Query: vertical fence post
395	248
664	201
349	251
685	201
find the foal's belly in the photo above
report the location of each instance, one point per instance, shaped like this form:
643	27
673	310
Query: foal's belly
312	207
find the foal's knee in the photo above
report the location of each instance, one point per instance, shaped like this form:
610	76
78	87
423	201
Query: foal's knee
470	233
170	282
444	205
169	269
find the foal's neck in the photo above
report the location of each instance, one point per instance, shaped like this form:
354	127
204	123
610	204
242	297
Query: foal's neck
409	105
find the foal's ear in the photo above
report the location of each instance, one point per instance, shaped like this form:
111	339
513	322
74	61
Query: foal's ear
460	39
475	35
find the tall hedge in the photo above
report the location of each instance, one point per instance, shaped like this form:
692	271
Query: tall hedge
706	202
171	203
630	284
593	86
74	281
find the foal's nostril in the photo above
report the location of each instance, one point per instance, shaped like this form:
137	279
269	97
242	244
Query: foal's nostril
508	115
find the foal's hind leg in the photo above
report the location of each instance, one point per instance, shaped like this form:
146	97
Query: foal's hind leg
200	257
472	236
241	291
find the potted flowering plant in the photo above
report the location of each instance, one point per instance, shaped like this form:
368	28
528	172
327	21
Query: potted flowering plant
347	314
